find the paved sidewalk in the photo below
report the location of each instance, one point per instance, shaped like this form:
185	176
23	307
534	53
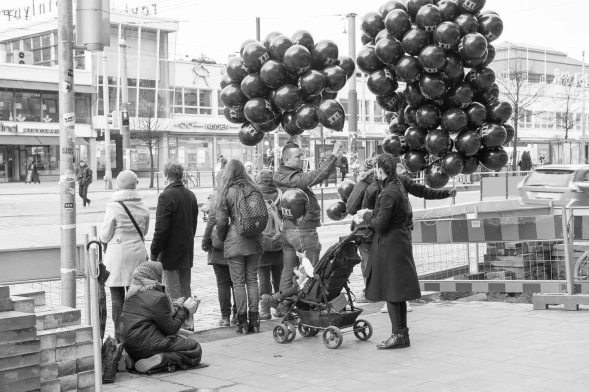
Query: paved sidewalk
475	346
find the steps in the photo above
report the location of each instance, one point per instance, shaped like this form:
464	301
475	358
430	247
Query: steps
43	347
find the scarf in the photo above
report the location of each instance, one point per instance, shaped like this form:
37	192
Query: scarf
125	195
147	276
394	178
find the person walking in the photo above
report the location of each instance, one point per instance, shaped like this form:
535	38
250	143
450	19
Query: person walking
342	164
125	225
173	239
391	275
237	203
270	268
32	173
84	180
304	237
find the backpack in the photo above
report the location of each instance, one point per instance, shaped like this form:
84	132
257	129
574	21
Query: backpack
88	175
251	214
272	235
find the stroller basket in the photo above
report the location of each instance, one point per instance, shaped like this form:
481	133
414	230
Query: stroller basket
320	319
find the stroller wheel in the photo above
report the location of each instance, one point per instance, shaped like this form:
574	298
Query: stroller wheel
292	331
332	337
362	329
280	333
306	331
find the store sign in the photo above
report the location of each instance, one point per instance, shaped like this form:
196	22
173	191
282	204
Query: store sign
217	127
567	79
211	126
32	9
18	128
202	72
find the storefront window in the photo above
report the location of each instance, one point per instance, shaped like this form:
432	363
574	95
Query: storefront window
233	149
28	106
220	104
83	108
205	101
47	158
190	101
195	153
378	113
140	156
6	105
101	155
50	108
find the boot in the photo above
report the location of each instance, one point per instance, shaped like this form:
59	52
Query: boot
242	325
265	309
254	322
406	336
397	340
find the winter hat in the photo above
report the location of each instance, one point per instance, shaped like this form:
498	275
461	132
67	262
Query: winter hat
151	270
127	180
266	177
369	163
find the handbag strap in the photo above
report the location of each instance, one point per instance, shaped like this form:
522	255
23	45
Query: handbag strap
133	220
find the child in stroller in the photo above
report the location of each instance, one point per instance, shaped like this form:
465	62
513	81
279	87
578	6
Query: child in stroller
303	273
318	304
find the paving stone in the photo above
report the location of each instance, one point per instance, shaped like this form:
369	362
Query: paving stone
5	305
23	304
19	335
66	353
69	383
19	348
66	368
47	339
20	361
84	364
37	295
84	350
56	317
19	374
86	379
90	389
29	384
4	292
49	371
47	356
11	321
51	385
65	337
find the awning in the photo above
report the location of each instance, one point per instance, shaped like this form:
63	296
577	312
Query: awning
36	140
23	85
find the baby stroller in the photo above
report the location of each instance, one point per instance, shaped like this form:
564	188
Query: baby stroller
320	306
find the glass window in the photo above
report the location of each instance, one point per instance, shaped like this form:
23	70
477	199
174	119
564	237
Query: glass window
83	109
37	56
190	97
79	59
378	113
27	106
141	158
344	103
578	121
46	158
46	40
36	42
28	44
367	111
220	104
147	83
233	149
206	102
101	154
6	106
195	153
50	108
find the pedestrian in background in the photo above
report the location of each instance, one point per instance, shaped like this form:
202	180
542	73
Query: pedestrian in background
242	253
84	181
173	239
32	173
125	225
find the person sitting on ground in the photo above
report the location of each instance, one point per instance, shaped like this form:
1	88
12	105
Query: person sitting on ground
302	275
151	321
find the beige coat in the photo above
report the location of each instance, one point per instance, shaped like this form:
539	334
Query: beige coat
125	249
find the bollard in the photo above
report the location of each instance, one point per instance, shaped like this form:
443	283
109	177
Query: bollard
93	272
424	204
322	209
507	186
87	304
567	252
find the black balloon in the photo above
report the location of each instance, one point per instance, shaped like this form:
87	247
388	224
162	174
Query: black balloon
397	23
449	10
468	142
336	211
447	36
248	135
253	86
428	18
432	59
315	100
258	110
331	115
395	145
366	40
226	81
335	78
273	74
381	83
488	95
499	111
347	64
287	97
428	116
472	46
278	46
486	12
294	204
452	163
510	133
415	160
237	69
297	60
471	6
491	27
413	95
467	24
303	38
410	115
432	86
255	55
269	37
244	44
397	126
477	114
454	120
438	142
327	95
408	69
459	96
367	60
382	34
388	102
232	97
325	54
388	116
307	117
391	5
481	78
490	55
454	71
471	164
311	83
234	116
493	158
344	190
372	23
415	137
473	63
435	178
389	50
492	135
289	124
413	6
414	41
269	125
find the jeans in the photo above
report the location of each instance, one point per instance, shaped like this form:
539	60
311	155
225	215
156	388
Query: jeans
177	284
83	191
117	296
297	240
224	287
267	283
244	274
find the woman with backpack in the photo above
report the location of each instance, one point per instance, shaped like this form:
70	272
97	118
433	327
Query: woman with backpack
270	268
242	216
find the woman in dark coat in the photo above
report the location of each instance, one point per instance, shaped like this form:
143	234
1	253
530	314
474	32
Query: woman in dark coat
150	322
390	272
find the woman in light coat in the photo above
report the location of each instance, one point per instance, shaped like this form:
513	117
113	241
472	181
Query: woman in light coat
125	245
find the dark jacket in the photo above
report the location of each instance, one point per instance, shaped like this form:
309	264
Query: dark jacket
342	163
175	227
85	175
390	272
235	244
149	323
354	203
287	177
215	256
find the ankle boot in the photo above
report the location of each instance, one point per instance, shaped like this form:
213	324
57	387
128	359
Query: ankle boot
406	336
397	340
265	309
242	325
254	322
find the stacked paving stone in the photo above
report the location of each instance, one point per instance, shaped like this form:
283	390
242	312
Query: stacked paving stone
43	347
518	260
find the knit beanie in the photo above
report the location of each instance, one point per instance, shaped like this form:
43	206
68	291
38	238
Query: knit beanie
127	180
151	270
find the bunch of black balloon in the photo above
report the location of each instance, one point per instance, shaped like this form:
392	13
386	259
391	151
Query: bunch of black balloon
287	83
448	117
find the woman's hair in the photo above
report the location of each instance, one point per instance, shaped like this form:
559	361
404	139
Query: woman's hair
174	171
223	162
233	173
388	164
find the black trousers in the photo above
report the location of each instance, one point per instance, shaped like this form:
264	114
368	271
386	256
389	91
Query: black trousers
398	314
117	296
83	191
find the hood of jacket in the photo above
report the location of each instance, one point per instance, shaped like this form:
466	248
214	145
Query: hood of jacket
367	176
125	195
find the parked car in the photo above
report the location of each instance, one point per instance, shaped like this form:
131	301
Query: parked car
561	184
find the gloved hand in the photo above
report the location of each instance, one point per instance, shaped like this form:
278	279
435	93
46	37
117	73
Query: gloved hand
179	301
190	305
207	244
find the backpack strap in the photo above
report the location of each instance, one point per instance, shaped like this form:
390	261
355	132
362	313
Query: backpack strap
277	220
132	220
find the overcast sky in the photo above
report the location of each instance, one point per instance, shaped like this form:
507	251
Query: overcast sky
217	27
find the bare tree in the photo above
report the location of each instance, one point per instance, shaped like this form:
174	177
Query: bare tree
149	129
519	92
568	102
